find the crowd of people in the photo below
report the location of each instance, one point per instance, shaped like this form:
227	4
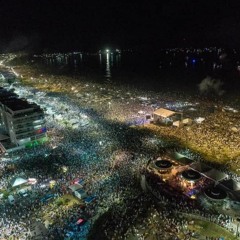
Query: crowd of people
106	153
215	140
181	204
86	155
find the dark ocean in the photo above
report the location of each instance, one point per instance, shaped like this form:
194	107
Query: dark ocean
175	70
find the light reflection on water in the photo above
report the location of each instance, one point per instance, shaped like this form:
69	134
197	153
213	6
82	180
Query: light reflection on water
145	70
108	67
104	62
110	60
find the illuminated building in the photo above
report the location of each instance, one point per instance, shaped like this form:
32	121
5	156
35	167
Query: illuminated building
21	121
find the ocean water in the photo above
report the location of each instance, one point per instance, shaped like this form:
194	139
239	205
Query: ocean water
175	70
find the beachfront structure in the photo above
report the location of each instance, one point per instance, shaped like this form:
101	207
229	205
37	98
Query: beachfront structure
166	116
21	121
193	179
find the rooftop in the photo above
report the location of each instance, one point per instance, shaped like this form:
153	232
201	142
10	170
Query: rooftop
164	112
4	94
16	104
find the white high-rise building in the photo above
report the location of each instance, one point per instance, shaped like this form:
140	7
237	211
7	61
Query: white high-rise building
22	121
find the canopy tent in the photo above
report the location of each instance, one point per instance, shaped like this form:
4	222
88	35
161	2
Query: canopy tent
80	193
166	116
18	181
162	112
199	120
89	199
75	187
78	181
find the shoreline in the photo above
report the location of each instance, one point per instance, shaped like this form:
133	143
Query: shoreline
213	139
225	149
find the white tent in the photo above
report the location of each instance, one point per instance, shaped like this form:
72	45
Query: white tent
75	187
199	120
18	181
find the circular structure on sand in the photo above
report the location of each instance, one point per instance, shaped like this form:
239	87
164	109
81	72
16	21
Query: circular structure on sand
215	193
163	164
191	175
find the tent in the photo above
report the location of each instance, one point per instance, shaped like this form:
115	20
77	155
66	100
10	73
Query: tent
165	113
199	120
89	199
18	181
75	187
166	116
80	193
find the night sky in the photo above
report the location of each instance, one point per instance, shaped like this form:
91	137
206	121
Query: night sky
48	25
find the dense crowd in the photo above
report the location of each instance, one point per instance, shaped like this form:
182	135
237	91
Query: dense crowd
217	137
181	204
108	155
106	174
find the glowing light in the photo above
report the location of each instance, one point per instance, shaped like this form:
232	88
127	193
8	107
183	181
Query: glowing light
42	130
193	197
52	183
107	50
64	169
32	180
108	69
